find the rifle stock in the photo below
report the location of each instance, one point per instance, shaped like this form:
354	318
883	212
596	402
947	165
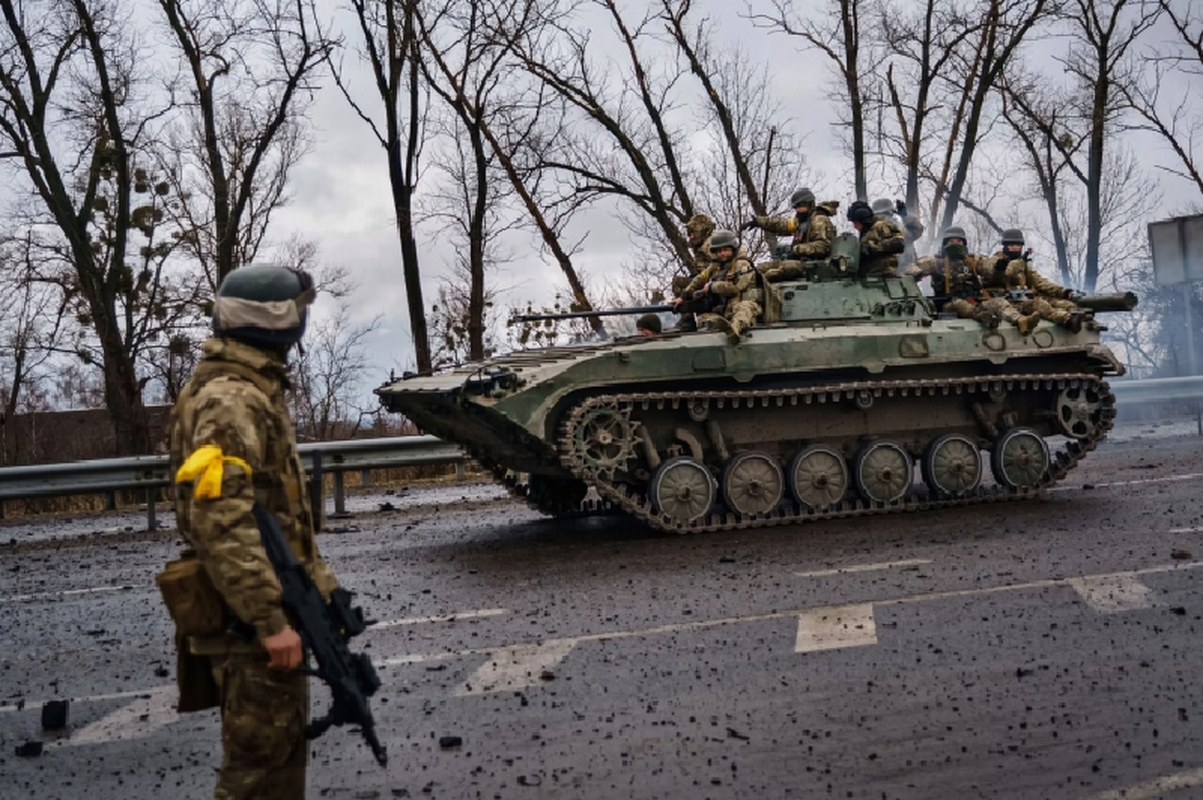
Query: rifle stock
324	629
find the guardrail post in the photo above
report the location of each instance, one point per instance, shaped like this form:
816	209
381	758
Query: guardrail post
365	477
317	496
110	500
340	494
152	524
460	473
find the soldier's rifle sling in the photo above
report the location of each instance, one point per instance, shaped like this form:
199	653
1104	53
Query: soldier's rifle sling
324	629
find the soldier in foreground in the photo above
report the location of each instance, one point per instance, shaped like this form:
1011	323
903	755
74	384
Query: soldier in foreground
233	444
1035	296
810	230
881	241
732	284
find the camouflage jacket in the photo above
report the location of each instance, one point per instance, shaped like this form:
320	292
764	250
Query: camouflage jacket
736	280
811	238
880	245
701	257
1013	272
236	400
952	277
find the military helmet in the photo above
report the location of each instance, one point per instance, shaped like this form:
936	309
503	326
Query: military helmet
954	232
860	211
700	223
1012	236
883	205
723	238
264	305
801	196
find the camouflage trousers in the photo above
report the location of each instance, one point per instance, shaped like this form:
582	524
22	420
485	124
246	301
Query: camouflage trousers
263	718
1053	309
739	316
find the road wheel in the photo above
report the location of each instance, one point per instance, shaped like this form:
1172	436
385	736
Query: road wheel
682	489
952	466
1019	458
882	472
818	477
752	483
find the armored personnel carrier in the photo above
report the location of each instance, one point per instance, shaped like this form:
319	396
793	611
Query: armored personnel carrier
824	412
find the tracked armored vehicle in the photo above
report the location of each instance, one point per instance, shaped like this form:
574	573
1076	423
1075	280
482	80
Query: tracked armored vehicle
825	412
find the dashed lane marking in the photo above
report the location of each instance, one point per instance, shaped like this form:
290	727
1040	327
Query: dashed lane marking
1186	530
823	573
1154	788
22	598
148	713
478	614
1110	594
516	667
544	649
835	628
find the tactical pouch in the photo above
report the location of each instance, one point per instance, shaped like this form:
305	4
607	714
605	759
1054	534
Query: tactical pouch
194	678
194	603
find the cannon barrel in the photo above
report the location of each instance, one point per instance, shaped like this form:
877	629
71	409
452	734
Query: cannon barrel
603	312
1106	301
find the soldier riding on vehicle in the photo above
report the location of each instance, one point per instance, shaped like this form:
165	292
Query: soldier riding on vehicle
881	241
732	287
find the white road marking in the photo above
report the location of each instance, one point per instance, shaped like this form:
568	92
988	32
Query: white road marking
1186	530
135	720
91	698
478	614
21	598
1154	788
822	573
1114	593
835	628
516	667
1168	479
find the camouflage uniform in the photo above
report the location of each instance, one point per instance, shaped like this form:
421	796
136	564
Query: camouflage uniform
1045	300
811	237
958	286
236	401
737	283
880	245
698	229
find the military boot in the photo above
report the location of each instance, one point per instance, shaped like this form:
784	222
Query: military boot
1027	324
988	317
1073	321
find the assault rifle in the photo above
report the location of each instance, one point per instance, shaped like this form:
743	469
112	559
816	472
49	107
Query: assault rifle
324	629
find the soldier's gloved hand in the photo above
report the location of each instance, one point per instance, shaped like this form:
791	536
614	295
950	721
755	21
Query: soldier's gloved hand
677	302
283	649
749	225
900	207
1069	294
700	293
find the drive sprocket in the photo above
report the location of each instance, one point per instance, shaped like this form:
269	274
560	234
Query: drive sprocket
603	440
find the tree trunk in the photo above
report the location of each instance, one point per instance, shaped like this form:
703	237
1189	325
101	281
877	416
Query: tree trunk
476	247
403	210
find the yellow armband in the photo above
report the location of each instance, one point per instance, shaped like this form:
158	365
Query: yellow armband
206	462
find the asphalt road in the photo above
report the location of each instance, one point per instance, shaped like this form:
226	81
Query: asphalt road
1040	650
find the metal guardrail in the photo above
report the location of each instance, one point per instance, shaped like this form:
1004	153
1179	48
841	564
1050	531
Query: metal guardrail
106	476
109	475
1157	390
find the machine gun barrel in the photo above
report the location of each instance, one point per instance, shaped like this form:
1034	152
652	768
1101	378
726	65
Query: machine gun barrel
1106	301
604	312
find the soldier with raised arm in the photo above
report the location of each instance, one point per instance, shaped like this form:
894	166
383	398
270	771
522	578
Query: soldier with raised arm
810	230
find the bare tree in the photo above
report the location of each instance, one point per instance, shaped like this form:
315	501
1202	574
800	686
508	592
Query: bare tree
390	46
842	31
327	377
1005	26
68	108
250	67
1173	115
